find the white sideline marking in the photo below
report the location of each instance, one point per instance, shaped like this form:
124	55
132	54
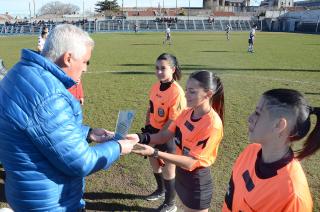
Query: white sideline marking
230	74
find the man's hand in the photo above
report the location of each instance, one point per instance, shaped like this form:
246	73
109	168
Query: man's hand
133	137
128	143
100	135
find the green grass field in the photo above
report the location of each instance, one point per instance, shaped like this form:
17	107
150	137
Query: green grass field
122	71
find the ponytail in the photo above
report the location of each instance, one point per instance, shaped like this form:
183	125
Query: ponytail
217	100
312	144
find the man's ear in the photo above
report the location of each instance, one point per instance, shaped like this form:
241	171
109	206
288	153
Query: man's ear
67	59
64	61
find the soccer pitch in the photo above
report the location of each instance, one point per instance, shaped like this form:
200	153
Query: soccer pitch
121	73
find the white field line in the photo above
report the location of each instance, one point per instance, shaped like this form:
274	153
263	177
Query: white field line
228	74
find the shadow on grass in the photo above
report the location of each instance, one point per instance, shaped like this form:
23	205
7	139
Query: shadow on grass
208	51
136	64
134	72
308	93
312	44
102	206
201	67
195	67
145	44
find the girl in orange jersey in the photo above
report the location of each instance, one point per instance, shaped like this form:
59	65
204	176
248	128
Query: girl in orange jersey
267	176
167	99
197	133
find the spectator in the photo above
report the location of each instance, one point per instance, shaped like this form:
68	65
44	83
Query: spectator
44	146
41	40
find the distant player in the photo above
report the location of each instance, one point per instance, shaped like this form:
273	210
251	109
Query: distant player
168	35
252	38
136	28
228	29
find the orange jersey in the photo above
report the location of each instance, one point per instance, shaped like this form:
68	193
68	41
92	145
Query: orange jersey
198	139
286	190
77	91
165	105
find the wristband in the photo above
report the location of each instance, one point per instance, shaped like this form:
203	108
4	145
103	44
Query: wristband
155	154
144	138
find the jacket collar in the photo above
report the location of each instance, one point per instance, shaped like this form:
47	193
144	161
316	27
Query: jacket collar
35	57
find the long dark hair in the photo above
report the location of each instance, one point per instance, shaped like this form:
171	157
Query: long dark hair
294	104
173	61
210	81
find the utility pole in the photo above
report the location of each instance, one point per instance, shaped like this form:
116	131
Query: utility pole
34	8
189	14
30	11
176	7
122	10
163	6
83	8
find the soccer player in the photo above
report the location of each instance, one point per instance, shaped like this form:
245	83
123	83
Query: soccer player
167	100
228	29
267	176
197	133
168	35
252	35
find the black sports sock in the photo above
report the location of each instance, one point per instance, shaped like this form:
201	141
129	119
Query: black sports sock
170	194
160	182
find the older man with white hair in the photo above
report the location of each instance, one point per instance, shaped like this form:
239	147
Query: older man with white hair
43	142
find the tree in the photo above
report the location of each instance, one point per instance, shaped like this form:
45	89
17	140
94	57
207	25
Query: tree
58	8
107	5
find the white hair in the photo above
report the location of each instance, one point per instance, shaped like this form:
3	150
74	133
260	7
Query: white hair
66	38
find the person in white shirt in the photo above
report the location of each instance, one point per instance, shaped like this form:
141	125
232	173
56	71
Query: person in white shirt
42	39
168	36
252	35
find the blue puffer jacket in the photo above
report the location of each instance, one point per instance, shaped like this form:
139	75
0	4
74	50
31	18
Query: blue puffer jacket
43	144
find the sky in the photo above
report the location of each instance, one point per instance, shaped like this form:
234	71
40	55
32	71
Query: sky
21	7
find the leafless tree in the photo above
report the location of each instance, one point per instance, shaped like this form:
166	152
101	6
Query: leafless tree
58	8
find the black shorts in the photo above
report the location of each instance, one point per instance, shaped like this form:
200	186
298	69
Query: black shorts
169	147
194	188
250	41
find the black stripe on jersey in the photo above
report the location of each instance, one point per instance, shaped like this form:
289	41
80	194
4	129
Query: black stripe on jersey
188	125
203	143
248	180
151	106
229	195
178	137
